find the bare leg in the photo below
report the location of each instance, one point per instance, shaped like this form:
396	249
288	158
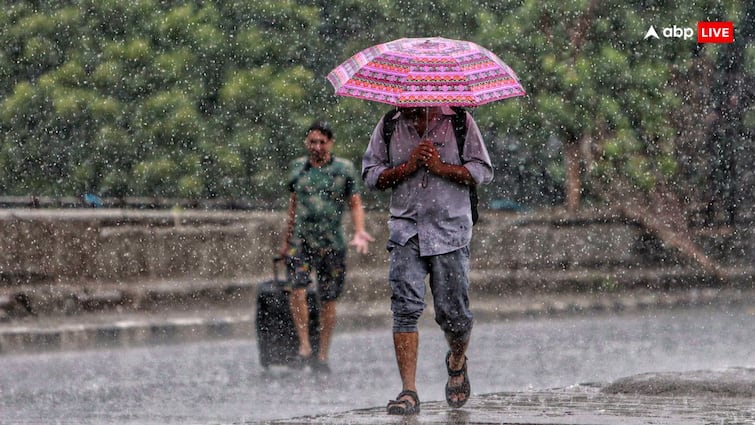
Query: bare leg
300	315
406	345
327	324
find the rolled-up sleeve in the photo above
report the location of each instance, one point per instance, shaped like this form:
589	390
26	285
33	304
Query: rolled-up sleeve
375	159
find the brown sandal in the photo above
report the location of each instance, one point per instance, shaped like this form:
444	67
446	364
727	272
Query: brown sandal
404	407
464	389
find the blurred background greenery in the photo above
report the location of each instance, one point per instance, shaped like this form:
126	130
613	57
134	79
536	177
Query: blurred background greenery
210	99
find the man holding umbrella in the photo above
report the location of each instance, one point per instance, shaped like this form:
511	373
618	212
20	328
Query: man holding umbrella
429	155
430	230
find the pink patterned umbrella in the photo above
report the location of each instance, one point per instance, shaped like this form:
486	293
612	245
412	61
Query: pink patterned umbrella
419	72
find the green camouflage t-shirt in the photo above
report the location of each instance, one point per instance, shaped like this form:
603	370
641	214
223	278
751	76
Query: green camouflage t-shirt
322	194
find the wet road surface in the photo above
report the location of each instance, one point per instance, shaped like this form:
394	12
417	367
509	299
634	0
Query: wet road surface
222	382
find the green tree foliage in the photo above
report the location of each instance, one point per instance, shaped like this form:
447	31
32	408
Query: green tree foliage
622	104
154	98
204	99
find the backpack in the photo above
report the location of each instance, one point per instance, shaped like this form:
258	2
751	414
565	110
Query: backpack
459	121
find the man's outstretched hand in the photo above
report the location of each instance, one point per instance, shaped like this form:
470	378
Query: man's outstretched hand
361	241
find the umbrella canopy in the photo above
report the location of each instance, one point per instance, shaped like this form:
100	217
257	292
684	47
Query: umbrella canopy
420	72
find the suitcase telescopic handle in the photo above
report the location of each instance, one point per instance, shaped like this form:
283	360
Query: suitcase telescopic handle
276	259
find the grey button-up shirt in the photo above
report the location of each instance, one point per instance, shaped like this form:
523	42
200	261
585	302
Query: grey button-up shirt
434	208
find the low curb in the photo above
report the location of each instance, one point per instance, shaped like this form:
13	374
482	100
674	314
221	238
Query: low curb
138	328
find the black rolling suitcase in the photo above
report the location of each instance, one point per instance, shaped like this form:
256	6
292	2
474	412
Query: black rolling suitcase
276	336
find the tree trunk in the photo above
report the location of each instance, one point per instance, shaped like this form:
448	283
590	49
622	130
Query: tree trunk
573	176
661	213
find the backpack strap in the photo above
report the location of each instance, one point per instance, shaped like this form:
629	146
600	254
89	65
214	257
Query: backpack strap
459	120
389	124
301	172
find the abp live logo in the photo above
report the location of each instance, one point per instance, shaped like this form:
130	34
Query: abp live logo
715	32
707	32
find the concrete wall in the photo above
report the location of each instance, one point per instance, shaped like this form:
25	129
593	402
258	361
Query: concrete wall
43	245
132	246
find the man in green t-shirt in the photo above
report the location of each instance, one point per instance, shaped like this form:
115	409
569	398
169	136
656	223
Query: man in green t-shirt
321	187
